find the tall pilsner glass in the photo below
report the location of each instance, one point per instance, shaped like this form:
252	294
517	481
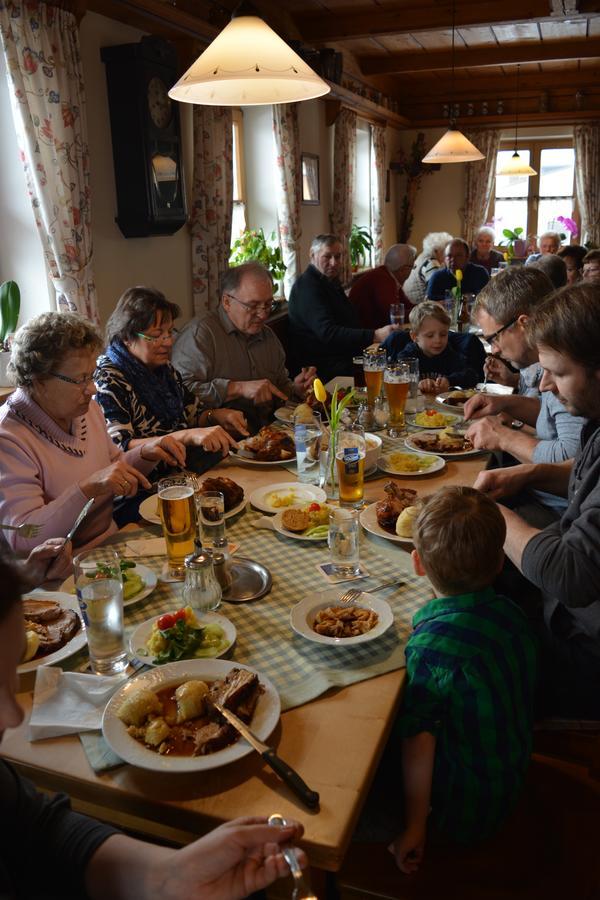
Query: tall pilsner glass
350	452
178	516
373	365
397	381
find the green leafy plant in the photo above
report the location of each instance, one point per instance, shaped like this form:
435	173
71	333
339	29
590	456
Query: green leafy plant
252	244
512	236
360	244
10	305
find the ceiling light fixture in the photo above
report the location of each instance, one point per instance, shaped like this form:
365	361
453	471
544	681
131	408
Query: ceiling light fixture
516	165
247	64
453	146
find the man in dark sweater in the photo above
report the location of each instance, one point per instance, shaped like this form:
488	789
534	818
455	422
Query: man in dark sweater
563	560
456	256
324	325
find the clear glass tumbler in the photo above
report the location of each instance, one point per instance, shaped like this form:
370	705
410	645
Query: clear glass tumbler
210	506
99	587
307	435
343	541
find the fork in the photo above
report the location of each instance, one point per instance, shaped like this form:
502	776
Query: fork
26	531
350	596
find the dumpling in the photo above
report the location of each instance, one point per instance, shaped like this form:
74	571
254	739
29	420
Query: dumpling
138	705
190	700
406	520
156	732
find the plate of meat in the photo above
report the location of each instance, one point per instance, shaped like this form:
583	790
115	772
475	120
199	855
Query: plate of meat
380	518
271	446
233	493
447	444
53	617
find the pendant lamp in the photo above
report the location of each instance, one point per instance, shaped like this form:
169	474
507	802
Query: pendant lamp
247	64
516	165
453	146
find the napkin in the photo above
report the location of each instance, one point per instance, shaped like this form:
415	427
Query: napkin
263	522
69	702
145	547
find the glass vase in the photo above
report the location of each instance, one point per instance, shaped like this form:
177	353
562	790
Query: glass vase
328	480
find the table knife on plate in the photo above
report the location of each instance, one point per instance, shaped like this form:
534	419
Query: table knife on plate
285	772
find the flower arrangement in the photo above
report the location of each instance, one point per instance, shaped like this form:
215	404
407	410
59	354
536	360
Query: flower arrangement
569	224
333	418
253	244
512	236
360	243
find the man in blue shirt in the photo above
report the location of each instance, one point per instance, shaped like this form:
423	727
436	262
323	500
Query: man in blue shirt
456	256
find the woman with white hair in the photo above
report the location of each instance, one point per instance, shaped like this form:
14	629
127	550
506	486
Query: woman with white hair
483	253
429	260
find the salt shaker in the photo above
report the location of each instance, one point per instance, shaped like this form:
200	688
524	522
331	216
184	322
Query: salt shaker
201	590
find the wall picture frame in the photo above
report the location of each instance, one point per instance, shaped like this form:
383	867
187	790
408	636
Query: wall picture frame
311	192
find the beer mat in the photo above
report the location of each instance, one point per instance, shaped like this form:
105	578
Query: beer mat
326	570
145	547
166	577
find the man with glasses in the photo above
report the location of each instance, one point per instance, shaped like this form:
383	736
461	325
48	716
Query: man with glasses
503	310
230	357
377	290
456	256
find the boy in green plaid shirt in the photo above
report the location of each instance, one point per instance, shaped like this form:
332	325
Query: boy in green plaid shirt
467	718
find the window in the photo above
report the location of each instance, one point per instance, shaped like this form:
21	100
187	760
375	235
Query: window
534	203
238	222
361	206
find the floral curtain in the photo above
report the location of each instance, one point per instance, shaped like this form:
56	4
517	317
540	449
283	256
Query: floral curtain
289	187
479	181
212	203
344	162
43	59
587	179
377	191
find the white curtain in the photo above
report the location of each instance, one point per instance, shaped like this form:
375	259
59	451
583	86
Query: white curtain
344	163
43	59
587	179
289	187
377	191
480	179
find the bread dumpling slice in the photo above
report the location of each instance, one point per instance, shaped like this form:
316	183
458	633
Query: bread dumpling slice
138	705
190	700
156	732
406	520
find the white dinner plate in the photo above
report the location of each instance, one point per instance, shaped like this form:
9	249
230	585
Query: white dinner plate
442	401
149	509
304	613
263	722
292	534
139	636
387	466
79	640
452	419
303	493
459	454
149	578
247	460
368	520
285	414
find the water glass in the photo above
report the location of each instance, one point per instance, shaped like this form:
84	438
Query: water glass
397	314
350	452
210	507
343	541
178	516
99	587
397	381
307	435
414	402
358	371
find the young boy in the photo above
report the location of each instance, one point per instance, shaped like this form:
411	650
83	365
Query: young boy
440	366
467	718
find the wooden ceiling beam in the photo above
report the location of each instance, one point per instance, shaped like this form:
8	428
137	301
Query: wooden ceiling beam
161	14
395	63
499	86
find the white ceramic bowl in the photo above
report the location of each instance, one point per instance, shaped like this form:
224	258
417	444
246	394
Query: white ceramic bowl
374	443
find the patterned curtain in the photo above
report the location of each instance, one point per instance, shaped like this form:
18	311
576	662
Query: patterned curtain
479	181
212	203
344	162
377	191
289	187
43	59
587	179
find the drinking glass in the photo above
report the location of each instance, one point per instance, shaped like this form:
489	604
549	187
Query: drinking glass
343	541
397	314
99	587
307	435
178	517
415	401
210	509
397	381
374	363
358	371
350	452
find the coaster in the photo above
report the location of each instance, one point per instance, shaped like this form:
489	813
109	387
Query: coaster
326	570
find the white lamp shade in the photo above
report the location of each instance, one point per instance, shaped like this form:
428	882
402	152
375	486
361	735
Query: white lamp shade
453	147
247	64
516	166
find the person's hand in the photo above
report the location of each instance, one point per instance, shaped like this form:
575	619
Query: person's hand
50	561
487	434
428	386
259	391
119	479
480	405
232	420
303	381
167	448
233	861
442	384
381	333
212	438
496	369
497	483
408	848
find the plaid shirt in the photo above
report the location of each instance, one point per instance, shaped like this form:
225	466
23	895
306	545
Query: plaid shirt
471	677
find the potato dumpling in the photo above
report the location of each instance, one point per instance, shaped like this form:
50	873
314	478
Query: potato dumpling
406	520
136	708
32	642
190	700
156	732
303	413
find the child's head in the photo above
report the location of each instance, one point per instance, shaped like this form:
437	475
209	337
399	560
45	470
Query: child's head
429	326
459	535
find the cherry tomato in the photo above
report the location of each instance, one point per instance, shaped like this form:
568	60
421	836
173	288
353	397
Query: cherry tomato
180	614
314	507
430	412
165	622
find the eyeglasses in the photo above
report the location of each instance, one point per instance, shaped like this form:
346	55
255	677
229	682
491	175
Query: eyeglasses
252	307
493	338
78	381
155	339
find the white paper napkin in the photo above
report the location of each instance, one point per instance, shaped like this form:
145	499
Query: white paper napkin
263	522
69	702
145	547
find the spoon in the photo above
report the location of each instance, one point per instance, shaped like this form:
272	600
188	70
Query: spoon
301	889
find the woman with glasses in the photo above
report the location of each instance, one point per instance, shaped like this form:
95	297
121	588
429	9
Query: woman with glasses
56	452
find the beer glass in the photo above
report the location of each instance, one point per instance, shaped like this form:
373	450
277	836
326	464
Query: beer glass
358	371
99	587
350	452
396	380
373	364
178	517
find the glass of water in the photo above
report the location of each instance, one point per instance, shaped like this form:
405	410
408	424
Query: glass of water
99	586
397	314
343	541
307	435
210	506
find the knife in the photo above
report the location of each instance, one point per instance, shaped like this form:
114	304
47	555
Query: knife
79	520
285	772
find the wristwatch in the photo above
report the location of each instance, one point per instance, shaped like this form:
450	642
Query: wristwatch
516	424
210	415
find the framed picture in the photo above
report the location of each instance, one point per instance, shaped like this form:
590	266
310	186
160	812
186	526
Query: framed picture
310	179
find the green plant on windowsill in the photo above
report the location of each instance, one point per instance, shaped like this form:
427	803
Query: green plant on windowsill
360	244
10	304
512	237
252	244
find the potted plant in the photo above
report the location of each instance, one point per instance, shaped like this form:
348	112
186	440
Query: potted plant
10	305
252	244
514	243
360	244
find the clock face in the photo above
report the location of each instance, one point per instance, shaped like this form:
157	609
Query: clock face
159	102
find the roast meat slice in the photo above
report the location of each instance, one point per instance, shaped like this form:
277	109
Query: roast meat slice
397	499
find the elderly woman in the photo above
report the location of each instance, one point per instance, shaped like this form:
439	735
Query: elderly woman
56	452
483	253
427	262
143	396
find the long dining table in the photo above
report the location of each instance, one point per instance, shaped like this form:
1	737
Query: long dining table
334	741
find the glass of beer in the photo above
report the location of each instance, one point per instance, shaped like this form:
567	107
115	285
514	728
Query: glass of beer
350	452
397	382
176	506
358	371
374	362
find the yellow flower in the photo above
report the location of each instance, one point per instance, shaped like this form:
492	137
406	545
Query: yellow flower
505	255
319	389
458	275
